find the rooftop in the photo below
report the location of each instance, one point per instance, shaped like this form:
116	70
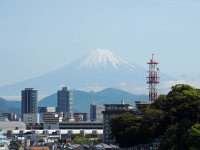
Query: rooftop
118	104
11	125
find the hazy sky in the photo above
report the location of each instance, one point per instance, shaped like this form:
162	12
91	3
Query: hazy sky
39	36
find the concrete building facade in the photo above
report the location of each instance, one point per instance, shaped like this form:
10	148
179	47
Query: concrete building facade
42	110
81	125
31	118
85	116
78	117
140	105
96	112
3	141
29	101
51	120
65	102
46	109
3	118
10	116
12	125
113	110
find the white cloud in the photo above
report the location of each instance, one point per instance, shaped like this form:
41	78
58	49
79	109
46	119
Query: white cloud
163	88
132	88
94	89
18	98
12	98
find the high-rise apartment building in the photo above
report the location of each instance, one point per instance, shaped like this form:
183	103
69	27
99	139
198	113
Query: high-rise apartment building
65	102
29	108
96	112
29	101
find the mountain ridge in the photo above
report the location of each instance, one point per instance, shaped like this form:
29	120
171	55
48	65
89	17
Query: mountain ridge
10	106
104	58
76	76
82	100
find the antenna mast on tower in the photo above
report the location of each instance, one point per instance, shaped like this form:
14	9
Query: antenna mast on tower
153	79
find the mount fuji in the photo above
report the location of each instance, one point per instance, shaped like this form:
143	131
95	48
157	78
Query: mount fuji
99	68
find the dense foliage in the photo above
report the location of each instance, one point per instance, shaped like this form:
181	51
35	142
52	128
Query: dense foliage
173	118
81	140
87	139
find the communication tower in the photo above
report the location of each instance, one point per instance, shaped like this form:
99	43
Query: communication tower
153	79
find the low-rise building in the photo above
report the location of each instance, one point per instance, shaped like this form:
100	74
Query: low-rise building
31	118
51	120
140	105
85	116
78	117
81	125
113	110
10	116
36	126
37	148
46	109
42	110
12	125
3	118
3	141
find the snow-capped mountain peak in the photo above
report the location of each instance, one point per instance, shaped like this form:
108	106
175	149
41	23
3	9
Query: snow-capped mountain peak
105	58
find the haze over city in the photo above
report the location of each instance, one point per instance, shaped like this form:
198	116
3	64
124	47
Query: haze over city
38	37
99	74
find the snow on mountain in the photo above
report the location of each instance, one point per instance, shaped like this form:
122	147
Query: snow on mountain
105	58
99	68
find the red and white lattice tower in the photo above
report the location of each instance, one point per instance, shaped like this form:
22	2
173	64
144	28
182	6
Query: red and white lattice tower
153	79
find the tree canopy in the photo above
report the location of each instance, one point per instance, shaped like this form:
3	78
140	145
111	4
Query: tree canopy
172	117
193	136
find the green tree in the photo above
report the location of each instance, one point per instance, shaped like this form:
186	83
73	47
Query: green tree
171	116
94	138
79	139
169	138
182	110
182	90
162	97
193	137
151	124
125	129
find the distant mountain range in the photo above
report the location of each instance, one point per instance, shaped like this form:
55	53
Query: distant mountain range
99	68
10	106
82	100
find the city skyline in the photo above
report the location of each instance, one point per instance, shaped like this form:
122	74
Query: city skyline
33	33
66	65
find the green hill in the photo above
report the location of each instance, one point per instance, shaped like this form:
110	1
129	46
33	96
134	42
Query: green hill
10	106
82	100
